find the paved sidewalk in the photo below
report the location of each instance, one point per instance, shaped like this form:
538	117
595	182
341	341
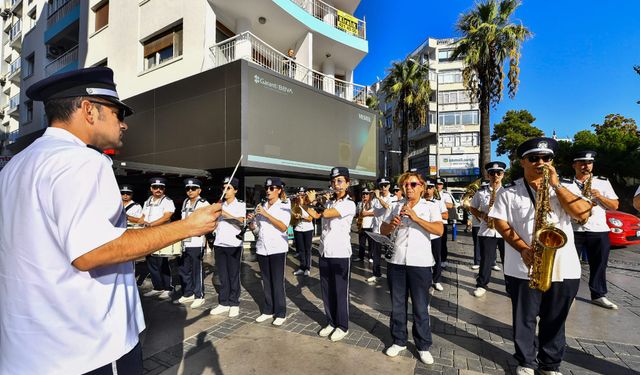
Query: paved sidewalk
471	335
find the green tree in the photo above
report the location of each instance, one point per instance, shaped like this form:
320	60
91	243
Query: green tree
373	102
515	128
489	38
408	85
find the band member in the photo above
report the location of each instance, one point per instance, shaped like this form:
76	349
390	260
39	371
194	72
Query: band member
271	223
190	262
515	212
157	210
381	205
132	209
335	254
302	224
364	213
409	270
447	198
593	236
227	249
488	238
397	193
436	239
475	228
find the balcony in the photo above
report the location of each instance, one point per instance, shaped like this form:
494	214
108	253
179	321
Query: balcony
422	132
15	33
249	47
14	103
16	8
14	71
62	14
67	61
338	19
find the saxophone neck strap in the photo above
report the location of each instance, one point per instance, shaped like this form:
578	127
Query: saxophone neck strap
530	192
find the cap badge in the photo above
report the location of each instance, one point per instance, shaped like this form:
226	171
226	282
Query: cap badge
269	182
543	144
495	166
588	155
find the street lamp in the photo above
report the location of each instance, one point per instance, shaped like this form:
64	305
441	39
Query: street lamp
386	152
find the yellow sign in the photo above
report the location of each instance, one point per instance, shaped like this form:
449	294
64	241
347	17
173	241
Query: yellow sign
347	23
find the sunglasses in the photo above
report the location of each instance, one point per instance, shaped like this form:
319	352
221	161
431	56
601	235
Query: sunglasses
271	188
497	173
119	113
365	193
126	193
431	187
385	185
157	187
535	158
412	184
192	188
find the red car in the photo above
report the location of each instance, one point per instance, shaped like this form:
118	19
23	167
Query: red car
625	228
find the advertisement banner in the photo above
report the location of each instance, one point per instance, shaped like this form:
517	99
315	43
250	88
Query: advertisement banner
457	165
347	22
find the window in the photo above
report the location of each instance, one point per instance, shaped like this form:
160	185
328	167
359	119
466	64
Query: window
388	122
222	32
29	63
453	97
31	20
163	47
432	118
28	115
459	140
458	118
450	77
445	55
102	15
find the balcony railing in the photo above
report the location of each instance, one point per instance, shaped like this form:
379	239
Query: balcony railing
249	47
13	102
14	66
58	9
15	2
62	61
334	17
15	31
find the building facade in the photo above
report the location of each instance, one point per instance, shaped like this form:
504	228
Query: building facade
152	44
449	144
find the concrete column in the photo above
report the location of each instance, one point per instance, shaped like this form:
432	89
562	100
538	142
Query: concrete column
304	57
350	90
329	82
243	46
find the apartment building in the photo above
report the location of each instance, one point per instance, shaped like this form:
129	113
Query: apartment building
449	145
281	65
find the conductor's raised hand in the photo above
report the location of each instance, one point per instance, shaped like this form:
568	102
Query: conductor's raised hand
203	220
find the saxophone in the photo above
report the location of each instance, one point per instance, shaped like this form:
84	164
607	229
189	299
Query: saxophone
546	239
469	192
586	193
491	224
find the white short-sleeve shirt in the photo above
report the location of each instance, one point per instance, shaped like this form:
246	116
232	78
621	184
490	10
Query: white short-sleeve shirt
270	239
304	225
439	203
226	231
481	201
187	209
367	221
514	205
380	212
59	200
153	208
133	209
335	241
598	219
412	242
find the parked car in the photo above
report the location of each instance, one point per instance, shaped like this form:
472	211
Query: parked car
457	194
624	228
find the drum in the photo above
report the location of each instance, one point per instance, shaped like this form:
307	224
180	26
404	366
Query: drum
173	250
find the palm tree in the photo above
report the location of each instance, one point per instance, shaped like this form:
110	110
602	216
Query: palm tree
489	38
408	85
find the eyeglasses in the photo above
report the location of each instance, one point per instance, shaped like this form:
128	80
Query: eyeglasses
535	158
192	188
412	184
497	173
157	187
119	113
271	188
126	193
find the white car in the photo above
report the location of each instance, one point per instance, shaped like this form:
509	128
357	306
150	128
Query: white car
457	194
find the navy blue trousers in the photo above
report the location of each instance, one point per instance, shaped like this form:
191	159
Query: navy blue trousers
334	280
437	256
597	246
376	255
303	245
405	281
476	246
272	269
552	307
444	251
160	272
228	260
129	364
191	272
487	247
364	243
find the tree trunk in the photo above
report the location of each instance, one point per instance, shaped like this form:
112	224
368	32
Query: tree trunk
404	139
485	132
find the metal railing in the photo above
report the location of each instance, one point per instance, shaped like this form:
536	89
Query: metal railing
249	47
58	9
14	101
334	17
14	66
15	2
62	61
16	29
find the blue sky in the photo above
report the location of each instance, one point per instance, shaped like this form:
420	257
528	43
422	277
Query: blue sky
577	68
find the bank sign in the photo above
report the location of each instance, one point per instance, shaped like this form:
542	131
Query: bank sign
459	165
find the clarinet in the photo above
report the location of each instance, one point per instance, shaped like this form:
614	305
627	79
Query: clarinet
389	249
244	228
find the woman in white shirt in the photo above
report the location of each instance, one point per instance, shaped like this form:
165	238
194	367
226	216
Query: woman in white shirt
335	254
302	233
271	223
410	224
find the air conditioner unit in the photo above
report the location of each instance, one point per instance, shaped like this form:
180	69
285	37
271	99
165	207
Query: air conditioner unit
54	51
